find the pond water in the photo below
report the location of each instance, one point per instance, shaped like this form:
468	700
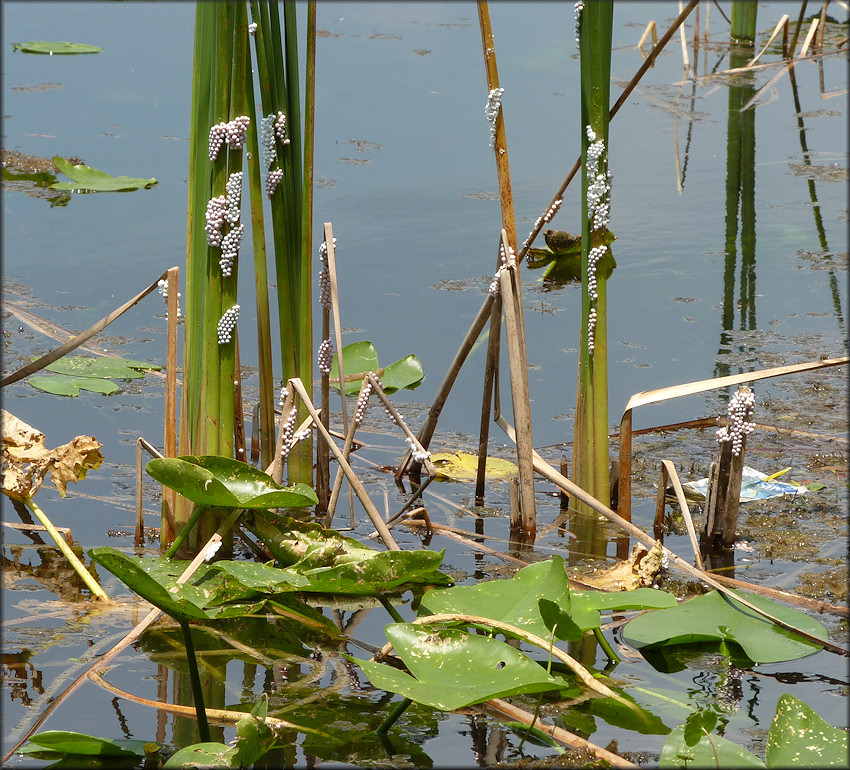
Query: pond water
404	172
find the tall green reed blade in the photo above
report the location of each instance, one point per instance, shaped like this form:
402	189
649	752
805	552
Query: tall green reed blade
590	460
277	68
744	14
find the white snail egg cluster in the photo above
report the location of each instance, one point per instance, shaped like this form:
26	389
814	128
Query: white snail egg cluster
325	287
233	188
419	457
267	140
234	133
252	28
593	257
739	411
227	324
496	284
162	284
326	355
579	7
491	111
283	394
230	250
287	437
591	329
273	180
216	209
280	128
363	401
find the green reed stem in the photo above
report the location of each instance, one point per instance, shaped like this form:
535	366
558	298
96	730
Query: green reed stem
393	716
744	21
590	460
195	679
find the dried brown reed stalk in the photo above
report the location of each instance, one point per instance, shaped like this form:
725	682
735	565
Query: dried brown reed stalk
667	472
689	389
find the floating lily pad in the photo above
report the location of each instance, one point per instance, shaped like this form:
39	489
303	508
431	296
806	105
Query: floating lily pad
55	49
358	358
104	367
90	179
451	669
63	385
714	617
536	598
220	482
712	751
80	744
463	466
799	737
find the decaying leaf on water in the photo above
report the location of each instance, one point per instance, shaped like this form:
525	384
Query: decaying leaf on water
463	466
640	569
26	460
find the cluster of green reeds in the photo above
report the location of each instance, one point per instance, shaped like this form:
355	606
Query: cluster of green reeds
223	89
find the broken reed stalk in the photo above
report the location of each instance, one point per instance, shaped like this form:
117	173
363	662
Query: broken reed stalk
519	391
668	472
688	389
491	367
358	487
346	450
323	455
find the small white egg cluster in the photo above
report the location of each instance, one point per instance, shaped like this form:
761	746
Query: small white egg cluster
283	394
252	28
363	401
227	324
267	140
234	133
579	7
230	250
325	276
212	549
547	217
740	410
234	197
323	250
326	356
496	284
280	128
419	457
216	209
491	111
593	257
591	330
287	430
273	180
163	290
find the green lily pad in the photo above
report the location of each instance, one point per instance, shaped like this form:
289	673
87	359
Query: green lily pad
64	385
404	373
262	577
220	482
518	601
80	744
712	751
463	466
55	49
451	669
799	737
104	367
713	617
358	358
90	179
210	754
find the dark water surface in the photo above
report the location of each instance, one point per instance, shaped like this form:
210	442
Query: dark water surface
405	174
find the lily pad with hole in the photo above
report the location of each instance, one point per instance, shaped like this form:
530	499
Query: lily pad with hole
451	669
220	482
55	49
92	180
